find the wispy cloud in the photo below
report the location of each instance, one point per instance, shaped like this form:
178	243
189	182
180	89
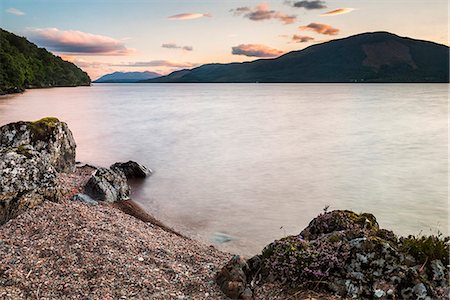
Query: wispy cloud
263	12
339	11
302	38
255	50
306	4
15	11
157	63
188	16
175	46
320	28
78	42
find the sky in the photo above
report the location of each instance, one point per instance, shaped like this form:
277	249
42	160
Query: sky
104	36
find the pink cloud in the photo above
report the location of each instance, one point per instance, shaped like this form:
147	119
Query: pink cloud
255	50
263	12
320	28
188	16
339	11
78	42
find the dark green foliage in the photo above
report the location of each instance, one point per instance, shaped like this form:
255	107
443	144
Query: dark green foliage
426	248
24	65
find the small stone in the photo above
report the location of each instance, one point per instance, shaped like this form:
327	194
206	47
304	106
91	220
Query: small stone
379	293
420	290
140	259
247	294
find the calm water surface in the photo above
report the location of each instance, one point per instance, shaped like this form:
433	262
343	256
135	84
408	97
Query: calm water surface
259	161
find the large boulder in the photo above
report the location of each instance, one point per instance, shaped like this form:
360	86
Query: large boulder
50	137
107	185
132	169
349	255
31	155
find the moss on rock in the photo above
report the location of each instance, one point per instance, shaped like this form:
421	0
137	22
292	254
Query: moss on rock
42	129
22	150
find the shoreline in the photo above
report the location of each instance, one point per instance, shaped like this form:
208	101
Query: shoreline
68	230
17	90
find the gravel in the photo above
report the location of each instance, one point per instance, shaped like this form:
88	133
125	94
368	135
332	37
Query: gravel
71	250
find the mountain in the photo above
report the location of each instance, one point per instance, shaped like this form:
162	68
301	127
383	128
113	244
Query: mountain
367	57
24	65
126	77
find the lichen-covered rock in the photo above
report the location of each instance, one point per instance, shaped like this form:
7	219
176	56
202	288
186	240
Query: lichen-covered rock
132	169
107	185
31	155
346	253
232	279
48	136
339	220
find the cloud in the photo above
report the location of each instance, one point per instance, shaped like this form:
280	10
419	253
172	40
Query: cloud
263	12
306	4
78	42
15	11
339	11
320	28
255	50
175	46
188	16
156	63
302	38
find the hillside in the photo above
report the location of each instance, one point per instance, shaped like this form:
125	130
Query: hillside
126	77
367	57
24	65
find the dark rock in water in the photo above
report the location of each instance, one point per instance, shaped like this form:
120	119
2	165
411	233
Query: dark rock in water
232	279
108	185
132	169
347	254
31	155
221	238
48	136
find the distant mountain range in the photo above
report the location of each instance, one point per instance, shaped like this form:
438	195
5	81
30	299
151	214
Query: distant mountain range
126	77
24	65
367	57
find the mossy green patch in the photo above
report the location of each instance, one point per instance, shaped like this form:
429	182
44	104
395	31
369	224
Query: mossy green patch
23	151
365	220
42	129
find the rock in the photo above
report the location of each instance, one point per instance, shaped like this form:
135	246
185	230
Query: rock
339	220
232	279
438	270
84	198
221	238
48	136
247	294
132	169
31	155
107	185
421	291
348	254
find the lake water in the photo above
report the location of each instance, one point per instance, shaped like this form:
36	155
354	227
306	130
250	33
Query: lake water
259	161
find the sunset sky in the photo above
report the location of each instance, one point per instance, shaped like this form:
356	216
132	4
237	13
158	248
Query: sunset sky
102	36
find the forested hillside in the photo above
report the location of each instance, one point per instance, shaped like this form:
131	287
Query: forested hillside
24	65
